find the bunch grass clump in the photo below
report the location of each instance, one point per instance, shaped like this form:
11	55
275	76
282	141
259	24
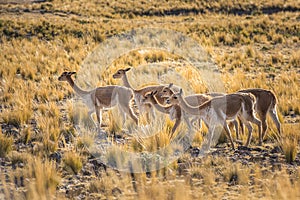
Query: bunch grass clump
289	142
43	175
6	145
73	162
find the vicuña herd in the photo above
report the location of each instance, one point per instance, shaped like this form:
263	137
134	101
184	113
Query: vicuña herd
214	109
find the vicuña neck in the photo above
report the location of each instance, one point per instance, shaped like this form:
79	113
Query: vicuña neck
77	89
190	109
126	82
160	107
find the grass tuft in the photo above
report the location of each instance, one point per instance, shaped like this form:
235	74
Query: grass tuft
73	162
44	179
6	145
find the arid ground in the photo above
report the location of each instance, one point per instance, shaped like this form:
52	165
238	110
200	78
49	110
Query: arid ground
254	44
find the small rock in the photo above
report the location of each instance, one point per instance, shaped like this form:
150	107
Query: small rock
56	156
116	191
275	150
195	151
258	149
86	173
12	131
276	166
274	156
244	148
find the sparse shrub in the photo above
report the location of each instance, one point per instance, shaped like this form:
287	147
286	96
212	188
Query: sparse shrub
49	146
50	128
85	141
79	116
196	172
26	135
290	151
53	110
222	138
98	186
277	58
250	52
136	146
236	174
295	59
28	58
5	144
198	138
115	121
109	186
160	140
116	157
98	37
289	148
277	38
43	177
17	157
12	118
289	141
155	57
20	115
73	162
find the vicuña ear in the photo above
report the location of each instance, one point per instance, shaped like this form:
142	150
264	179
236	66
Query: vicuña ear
180	91
127	69
170	85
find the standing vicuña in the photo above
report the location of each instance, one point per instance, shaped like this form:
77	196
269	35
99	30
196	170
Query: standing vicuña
140	93
174	111
265	103
103	97
196	100
218	110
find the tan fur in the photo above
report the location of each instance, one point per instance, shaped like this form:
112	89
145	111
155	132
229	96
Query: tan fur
249	116
266	102
140	93
196	100
103	97
174	111
217	110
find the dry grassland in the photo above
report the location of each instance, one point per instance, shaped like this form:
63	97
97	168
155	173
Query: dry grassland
255	45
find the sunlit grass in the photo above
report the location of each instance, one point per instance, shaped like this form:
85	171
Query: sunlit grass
254	49
73	162
46	179
289	142
6	145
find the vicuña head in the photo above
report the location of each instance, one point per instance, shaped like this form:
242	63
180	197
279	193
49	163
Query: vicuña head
174	98
149	98
65	75
120	73
166	91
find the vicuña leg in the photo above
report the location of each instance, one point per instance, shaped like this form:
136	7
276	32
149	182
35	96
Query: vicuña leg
177	122
99	116
227	130
275	119
211	130
196	122
250	129
264	124
258	123
236	127
128	110
90	113
187	121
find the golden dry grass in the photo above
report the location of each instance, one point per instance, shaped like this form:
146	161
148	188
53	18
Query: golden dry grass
254	44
